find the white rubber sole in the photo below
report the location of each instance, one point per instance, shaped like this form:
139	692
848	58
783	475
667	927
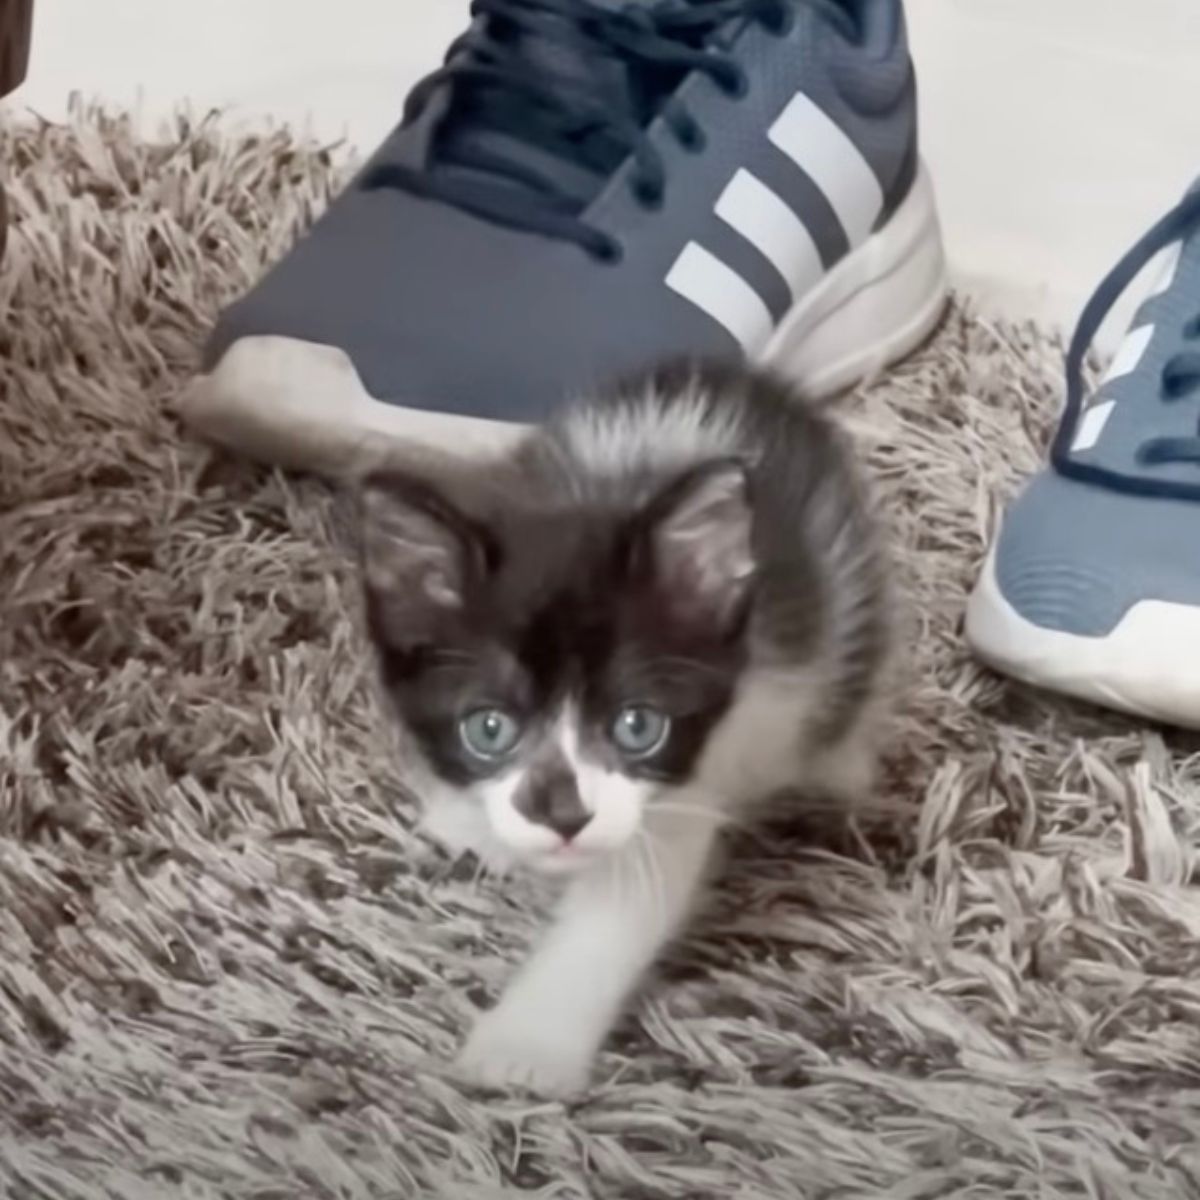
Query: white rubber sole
876	307
1145	666
302	405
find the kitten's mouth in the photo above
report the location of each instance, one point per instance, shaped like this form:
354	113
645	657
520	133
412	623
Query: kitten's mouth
565	858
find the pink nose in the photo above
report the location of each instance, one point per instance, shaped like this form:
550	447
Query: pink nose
569	825
551	798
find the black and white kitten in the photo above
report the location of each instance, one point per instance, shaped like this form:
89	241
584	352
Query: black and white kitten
660	608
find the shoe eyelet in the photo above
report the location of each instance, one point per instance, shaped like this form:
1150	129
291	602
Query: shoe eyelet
609	251
781	25
649	196
1178	382
735	84
691	138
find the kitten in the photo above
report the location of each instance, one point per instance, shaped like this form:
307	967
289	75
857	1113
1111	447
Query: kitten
663	606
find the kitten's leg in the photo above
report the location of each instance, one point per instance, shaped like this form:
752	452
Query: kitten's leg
549	1024
846	772
846	778
848	769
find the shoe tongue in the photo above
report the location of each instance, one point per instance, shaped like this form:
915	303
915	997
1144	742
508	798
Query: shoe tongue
490	127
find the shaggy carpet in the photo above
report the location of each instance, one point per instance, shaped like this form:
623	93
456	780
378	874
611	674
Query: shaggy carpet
230	968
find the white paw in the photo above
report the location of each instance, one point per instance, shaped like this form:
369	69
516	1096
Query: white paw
506	1052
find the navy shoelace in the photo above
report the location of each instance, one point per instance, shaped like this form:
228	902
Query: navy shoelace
1180	379
575	84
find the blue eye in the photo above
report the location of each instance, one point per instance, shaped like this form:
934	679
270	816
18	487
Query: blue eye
489	733
640	730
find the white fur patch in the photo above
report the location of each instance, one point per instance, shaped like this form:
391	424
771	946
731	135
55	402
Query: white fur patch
458	822
453	817
523	837
652	435
616	801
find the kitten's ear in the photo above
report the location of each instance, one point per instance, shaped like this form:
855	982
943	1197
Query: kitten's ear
419	552
702	546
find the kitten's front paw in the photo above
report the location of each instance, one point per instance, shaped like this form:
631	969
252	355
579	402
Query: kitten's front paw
507	1051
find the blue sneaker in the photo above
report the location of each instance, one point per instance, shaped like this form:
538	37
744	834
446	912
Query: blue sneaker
585	188
1093	586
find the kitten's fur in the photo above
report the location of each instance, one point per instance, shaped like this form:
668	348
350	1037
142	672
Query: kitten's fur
697	542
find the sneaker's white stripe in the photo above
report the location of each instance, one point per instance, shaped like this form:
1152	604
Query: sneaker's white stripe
1091	425
699	276
1166	265
1129	353
817	145
766	222
1126	360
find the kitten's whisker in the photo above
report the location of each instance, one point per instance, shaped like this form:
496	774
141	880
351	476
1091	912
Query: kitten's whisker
654	869
622	870
666	666
623	882
652	851
656	885
681	808
639	855
638	867
678	674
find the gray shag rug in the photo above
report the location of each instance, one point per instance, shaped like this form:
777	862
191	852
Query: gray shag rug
230	969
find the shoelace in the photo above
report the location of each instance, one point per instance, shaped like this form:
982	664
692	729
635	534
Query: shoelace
573	117
1180	378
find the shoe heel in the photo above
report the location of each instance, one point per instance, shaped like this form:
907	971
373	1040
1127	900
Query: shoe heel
873	309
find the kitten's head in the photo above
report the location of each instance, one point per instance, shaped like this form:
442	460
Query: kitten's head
560	662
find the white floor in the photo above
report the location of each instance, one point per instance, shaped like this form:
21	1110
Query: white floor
1056	129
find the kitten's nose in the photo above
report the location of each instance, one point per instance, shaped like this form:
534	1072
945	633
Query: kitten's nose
567	825
553	800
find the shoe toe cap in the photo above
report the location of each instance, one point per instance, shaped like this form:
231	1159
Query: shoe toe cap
1077	559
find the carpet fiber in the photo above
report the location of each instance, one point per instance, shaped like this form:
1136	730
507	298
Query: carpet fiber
230	968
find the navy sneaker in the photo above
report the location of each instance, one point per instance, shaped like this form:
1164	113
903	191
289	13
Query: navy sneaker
1092	587
587	187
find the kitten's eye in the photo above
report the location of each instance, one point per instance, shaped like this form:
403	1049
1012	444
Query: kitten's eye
489	732
640	731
